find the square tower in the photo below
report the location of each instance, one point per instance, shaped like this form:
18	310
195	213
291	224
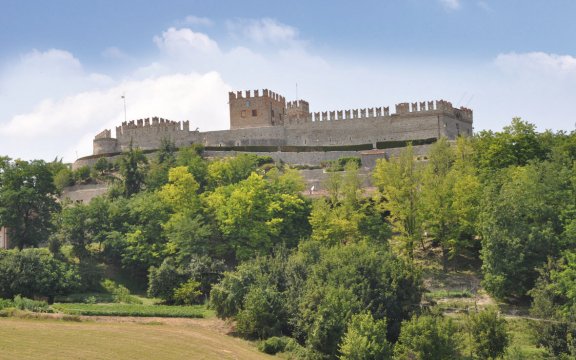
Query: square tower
297	112
255	110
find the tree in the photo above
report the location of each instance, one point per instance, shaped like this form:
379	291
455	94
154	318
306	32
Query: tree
489	333
521	224
365	339
427	337
347	279
516	145
450	197
34	273
399	181
131	169
27	200
554	301
252	217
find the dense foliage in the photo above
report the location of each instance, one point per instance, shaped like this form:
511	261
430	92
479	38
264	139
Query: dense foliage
336	276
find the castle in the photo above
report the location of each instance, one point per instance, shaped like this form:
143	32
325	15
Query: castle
264	121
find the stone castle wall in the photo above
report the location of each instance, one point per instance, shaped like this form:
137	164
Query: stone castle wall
277	123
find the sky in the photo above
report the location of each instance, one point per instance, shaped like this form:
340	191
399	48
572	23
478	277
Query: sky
66	64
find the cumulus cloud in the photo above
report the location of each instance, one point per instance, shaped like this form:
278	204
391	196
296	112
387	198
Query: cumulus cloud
68	105
178	42
40	75
537	62
65	127
451	4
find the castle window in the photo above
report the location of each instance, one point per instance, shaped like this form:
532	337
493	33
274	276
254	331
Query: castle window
243	114
272	113
247	103
254	113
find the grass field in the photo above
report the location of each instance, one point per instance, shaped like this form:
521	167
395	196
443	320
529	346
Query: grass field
112	309
25	339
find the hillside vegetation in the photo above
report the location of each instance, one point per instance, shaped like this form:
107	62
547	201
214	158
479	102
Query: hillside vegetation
428	266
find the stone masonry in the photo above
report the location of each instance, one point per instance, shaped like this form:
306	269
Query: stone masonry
264	118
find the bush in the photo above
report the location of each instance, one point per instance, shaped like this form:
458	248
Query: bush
263	314
121	293
164	279
365	339
341	163
35	273
427	337
489	334
23	303
188	293
274	345
5	303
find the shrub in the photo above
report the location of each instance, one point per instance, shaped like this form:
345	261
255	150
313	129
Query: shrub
427	337
164	279
274	345
365	339
5	303
489	333
35	273
188	293
121	293
263	314
23	303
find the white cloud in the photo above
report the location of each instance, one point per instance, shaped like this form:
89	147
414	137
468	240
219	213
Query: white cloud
41	75
451	4
196	20
537	62
67	126
178	42
62	112
263	31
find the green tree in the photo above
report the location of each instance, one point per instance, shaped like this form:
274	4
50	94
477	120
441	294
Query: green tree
35	273
427	337
365	339
450	197
516	145
554	301
132	170
521	224
399	181
27	200
252	217
347	279
489	333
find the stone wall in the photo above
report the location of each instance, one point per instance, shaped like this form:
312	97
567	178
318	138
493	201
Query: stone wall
254	110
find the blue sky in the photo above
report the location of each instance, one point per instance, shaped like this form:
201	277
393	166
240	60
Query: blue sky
64	65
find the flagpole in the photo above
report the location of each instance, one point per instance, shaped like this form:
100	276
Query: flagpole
124	98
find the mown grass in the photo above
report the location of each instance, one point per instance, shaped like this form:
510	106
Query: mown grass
25	339
139	310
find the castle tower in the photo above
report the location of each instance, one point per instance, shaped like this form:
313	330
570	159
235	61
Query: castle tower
297	112
255	110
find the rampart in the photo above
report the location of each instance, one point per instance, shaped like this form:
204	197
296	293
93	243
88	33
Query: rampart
266	119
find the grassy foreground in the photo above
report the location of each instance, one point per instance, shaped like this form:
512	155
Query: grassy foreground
52	339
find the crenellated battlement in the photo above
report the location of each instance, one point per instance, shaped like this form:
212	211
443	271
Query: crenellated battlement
297	104
251	94
401	109
128	127
264	118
